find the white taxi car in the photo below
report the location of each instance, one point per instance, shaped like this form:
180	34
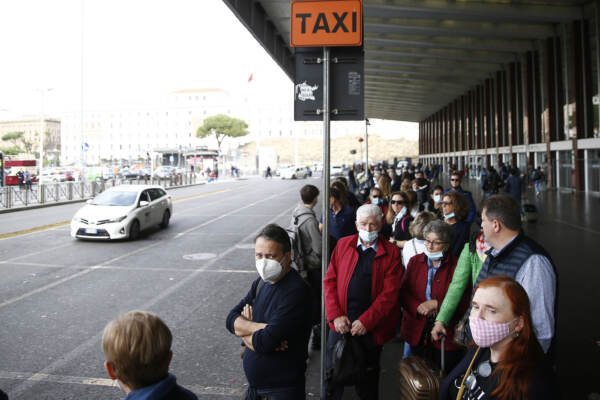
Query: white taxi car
294	173
122	212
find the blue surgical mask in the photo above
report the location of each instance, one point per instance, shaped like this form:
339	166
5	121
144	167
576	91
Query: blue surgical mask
376	201
435	255
449	216
368	237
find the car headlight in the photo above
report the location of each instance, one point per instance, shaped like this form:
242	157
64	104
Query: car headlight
111	221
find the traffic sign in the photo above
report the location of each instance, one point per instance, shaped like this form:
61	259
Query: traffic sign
326	23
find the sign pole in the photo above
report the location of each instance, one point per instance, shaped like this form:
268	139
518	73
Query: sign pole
325	200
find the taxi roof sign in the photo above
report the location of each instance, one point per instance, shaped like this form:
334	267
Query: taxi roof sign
326	23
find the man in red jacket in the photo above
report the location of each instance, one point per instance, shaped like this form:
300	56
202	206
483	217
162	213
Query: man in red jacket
361	295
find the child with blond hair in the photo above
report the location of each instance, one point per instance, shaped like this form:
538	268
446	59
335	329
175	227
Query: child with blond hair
137	347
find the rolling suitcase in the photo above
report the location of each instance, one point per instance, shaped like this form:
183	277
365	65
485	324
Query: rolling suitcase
418	379
530	213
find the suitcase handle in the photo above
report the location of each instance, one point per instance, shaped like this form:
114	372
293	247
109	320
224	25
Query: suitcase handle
443	356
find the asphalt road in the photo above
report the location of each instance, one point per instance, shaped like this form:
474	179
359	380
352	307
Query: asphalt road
57	294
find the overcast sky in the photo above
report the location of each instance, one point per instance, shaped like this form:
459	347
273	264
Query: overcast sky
134	52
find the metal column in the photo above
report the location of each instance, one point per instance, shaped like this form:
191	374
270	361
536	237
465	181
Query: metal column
325	200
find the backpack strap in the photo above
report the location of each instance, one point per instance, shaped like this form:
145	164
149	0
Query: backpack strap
297	217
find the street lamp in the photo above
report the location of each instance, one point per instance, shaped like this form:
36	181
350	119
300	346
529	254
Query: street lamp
367	123
42	131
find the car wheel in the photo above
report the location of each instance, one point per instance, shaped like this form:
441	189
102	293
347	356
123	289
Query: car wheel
293	176
165	219
134	230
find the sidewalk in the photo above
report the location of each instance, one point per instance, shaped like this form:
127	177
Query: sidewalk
568	227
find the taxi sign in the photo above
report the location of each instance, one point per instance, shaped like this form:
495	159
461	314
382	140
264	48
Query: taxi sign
326	23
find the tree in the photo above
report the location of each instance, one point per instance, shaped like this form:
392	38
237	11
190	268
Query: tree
14	137
222	126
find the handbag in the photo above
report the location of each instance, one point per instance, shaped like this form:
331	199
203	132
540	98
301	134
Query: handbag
348	361
462	331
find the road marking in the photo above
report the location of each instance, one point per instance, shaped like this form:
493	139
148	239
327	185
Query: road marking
45	287
68	358
80	380
33	230
34	253
64	223
149	269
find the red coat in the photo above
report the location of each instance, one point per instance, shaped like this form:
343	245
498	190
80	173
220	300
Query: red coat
381	318
412	293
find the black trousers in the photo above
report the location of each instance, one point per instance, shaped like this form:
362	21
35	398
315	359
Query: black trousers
368	387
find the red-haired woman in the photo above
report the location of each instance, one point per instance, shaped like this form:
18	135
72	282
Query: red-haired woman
507	361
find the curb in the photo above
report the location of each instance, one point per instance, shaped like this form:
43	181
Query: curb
62	203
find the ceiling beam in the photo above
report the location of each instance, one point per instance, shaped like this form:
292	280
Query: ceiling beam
494	46
426	54
507	13
476	30
464	67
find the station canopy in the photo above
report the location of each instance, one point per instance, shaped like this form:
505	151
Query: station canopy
420	55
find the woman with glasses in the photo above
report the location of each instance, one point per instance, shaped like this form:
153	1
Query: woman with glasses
506	360
416	245
455	208
423	289
397	220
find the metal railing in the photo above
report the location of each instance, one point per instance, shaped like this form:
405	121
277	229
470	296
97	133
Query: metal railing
15	196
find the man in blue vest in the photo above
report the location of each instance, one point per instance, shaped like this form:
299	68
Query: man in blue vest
521	258
455	180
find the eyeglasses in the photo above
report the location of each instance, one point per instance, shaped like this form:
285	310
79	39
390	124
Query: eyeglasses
454	180
375	196
446	203
397	202
433	242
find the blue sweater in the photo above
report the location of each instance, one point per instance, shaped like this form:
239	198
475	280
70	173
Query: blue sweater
167	389
286	309
343	223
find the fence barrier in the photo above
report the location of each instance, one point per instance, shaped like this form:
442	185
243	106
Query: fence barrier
15	196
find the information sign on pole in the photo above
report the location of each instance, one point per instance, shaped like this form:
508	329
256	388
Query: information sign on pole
346	84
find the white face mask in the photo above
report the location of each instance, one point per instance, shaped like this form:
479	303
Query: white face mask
437	198
368	237
435	255
268	269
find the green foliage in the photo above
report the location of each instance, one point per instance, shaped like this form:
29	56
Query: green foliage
12	151
13	137
222	126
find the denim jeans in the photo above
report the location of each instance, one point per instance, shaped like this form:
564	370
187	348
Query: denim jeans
285	393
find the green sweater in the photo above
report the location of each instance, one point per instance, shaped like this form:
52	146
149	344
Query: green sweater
468	266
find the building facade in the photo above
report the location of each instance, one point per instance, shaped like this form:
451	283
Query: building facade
30	143
540	110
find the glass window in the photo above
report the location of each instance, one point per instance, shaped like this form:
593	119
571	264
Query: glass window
565	166
594	170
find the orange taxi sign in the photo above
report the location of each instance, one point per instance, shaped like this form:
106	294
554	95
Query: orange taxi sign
326	23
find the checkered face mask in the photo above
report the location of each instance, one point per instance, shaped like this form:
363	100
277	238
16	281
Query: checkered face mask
486	333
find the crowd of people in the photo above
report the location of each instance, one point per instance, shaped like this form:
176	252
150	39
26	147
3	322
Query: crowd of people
410	261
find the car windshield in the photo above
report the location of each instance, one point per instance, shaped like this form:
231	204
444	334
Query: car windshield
114	198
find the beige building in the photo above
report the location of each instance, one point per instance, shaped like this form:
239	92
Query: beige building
30	142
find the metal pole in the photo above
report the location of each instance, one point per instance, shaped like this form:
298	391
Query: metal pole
325	201
367	148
